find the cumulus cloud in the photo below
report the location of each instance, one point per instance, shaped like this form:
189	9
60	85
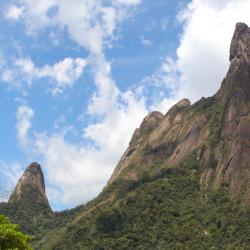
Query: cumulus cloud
202	56
161	89
98	19
7	75
63	74
146	42
9	174
24	117
77	173
128	2
14	12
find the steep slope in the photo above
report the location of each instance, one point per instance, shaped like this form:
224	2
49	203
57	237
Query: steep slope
32	181
28	203
216	128
171	188
168	210
183	182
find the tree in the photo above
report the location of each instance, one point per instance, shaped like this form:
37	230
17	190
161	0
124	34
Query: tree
11	238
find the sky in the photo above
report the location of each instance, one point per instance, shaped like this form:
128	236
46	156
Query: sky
78	76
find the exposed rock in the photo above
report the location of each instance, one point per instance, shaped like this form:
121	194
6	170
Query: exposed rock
179	106
240	45
210	138
150	121
239	49
31	182
216	129
183	103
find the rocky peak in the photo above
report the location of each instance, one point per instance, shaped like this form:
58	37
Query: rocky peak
240	45
183	103
148	124
236	81
150	121
215	129
239	51
31	184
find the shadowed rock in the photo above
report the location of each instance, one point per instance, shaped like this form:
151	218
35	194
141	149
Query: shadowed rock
216	129
30	186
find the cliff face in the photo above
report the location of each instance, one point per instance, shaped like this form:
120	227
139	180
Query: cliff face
28	204
173	179
32	180
216	129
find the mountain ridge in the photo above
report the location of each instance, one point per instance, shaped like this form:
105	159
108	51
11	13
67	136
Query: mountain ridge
208	126
178	172
32	177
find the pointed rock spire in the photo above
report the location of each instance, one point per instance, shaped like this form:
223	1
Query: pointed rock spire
240	45
30	187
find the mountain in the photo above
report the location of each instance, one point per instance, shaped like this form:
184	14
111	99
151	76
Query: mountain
30	188
28	203
182	183
216	129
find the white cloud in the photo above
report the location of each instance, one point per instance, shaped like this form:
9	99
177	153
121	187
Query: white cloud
92	25
7	75
161	89
63	74
146	42
14	12
98	19
24	117
26	67
9	174
77	173
202	56
164	23
128	2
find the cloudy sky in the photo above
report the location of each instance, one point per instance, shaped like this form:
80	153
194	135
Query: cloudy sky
78	76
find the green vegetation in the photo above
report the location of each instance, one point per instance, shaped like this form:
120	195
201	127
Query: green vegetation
11	238
168	210
205	104
30	213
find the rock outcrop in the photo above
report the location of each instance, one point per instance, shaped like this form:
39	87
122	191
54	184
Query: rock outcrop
240	48
33	180
164	186
28	204
216	129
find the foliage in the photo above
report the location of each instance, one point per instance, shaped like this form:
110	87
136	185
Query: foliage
29	212
109	220
168	210
164	210
11	237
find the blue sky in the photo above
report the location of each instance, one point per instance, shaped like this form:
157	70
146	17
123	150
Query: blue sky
77	77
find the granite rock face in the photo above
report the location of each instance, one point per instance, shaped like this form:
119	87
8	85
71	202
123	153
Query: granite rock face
240	49
32	178
216	129
28	204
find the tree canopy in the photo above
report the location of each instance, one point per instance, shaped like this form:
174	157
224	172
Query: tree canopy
11	237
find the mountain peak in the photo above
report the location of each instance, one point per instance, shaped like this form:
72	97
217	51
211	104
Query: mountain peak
240	45
31	184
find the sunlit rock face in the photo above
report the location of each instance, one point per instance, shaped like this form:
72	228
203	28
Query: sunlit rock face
32	177
30	189
216	129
